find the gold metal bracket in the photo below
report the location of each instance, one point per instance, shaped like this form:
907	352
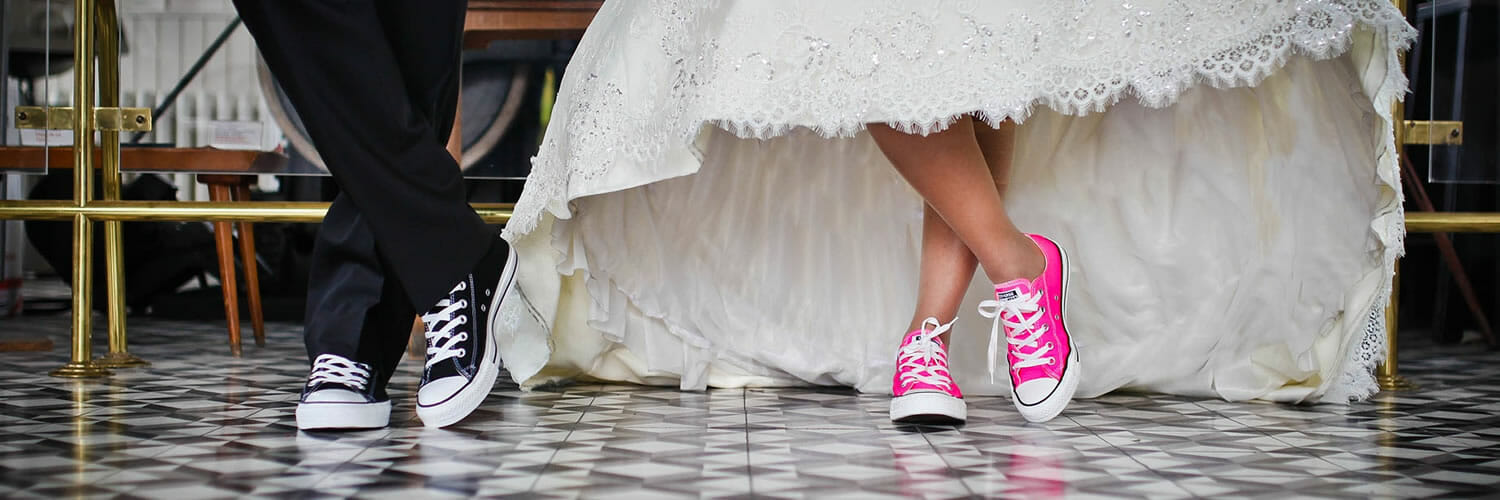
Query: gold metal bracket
1434	133
37	117
123	119
105	118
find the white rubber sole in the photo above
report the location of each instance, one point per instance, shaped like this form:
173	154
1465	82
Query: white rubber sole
1051	407
327	416
469	398
928	407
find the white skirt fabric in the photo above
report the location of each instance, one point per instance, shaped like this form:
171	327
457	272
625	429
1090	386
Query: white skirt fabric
706	208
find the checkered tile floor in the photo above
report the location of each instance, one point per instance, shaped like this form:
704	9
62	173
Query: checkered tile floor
199	423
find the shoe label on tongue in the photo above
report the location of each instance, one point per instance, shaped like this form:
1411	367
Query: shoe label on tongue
1011	294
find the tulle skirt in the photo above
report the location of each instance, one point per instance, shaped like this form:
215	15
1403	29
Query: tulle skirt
702	217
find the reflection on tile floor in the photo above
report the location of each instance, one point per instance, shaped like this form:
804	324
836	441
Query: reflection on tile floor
199	423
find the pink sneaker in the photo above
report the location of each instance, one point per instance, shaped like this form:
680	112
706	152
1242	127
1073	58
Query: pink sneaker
1043	360
924	390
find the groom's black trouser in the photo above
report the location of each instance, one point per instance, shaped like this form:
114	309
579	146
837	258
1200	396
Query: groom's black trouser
376	82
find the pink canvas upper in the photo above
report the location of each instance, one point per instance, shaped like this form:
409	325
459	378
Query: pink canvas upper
1031	312
922	363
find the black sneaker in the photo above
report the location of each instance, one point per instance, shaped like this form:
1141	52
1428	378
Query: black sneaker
340	395
463	357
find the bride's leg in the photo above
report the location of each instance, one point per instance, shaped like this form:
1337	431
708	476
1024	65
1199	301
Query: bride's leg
946	268
949	170
998	145
964	223
947	264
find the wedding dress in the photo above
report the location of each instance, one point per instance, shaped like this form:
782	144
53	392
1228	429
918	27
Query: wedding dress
706	208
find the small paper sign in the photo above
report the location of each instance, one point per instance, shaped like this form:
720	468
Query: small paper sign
236	135
38	137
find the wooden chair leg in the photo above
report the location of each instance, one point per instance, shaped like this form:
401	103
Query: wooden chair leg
456	136
224	243
416	345
252	270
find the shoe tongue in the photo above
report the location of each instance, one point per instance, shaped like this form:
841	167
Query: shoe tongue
1012	290
459	292
442	369
914	333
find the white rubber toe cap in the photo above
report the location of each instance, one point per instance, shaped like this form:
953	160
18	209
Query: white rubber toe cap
439	390
1035	390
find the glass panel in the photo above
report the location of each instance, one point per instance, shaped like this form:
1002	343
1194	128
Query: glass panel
1451	66
194	65
503	90
506	89
36	59
233	102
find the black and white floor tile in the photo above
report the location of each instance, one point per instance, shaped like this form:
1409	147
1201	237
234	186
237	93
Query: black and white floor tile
199	423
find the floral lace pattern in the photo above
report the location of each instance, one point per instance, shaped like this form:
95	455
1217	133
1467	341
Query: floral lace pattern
917	67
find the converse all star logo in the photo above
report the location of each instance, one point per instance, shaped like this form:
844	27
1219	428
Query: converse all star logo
1008	295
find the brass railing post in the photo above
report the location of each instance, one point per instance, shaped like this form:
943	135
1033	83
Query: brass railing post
107	26
81	363
1385	373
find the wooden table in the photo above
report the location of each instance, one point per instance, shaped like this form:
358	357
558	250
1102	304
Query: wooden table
491	20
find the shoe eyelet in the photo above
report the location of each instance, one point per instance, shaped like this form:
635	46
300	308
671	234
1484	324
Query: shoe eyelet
463	352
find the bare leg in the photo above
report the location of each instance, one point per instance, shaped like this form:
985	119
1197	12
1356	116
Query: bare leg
998	145
949	170
947	264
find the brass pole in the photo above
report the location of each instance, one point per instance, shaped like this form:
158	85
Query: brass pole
108	29
1453	222
1386	373
81	365
256	211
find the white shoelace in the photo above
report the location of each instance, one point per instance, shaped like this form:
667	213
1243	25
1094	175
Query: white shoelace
1022	334
339	370
921	361
442	343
